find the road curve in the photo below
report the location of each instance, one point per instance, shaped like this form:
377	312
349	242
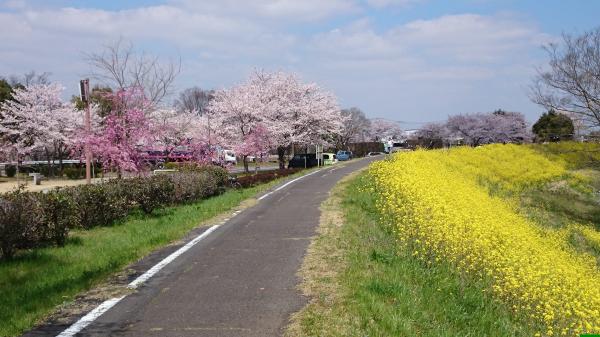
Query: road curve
240	280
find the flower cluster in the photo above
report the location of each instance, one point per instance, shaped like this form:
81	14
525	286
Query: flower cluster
435	203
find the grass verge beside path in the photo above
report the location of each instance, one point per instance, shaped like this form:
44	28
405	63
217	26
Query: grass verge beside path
35	282
361	284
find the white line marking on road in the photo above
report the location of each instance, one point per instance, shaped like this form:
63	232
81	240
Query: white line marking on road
106	305
90	317
145	276
265	195
286	184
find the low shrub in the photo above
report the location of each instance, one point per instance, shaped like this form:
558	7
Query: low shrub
172	166
73	172
60	214
44	170
151	193
221	174
191	186
11	170
262	177
20	222
100	204
30	219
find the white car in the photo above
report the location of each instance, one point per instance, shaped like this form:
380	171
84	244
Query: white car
399	147
229	157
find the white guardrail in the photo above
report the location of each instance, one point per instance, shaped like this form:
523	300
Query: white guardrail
42	162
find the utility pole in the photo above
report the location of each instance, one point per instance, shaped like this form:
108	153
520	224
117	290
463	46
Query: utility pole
84	90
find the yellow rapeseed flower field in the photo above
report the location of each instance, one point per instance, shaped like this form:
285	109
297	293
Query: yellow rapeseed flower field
438	204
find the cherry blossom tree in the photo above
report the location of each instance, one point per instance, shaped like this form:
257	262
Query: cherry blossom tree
235	112
117	143
318	118
432	135
184	129
384	129
291	112
297	113
355	129
485	128
175	127
257	143
38	119
510	127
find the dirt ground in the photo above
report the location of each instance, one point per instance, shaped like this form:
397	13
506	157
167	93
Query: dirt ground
9	184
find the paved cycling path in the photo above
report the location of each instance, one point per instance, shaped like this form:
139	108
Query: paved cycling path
239	280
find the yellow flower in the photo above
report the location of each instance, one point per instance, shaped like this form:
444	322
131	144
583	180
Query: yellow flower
448	205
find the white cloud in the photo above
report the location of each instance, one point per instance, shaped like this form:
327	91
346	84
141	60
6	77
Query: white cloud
291	10
448	44
392	3
221	41
14	4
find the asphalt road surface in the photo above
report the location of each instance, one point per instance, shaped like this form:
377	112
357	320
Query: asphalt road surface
240	280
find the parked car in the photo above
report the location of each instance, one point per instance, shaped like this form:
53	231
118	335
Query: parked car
344	155
329	158
302	160
229	157
399	146
372	154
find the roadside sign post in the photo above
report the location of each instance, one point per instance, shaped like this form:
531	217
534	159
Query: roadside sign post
84	91
319	155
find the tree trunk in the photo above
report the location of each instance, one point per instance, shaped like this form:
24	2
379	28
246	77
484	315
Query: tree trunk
245	160
48	160
18	184
60	165
60	153
281	157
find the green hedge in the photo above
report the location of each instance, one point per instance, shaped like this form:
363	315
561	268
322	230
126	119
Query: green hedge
263	177
10	170
32	219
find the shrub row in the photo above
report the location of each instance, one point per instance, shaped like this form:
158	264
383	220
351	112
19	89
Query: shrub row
263	177
32	219
10	170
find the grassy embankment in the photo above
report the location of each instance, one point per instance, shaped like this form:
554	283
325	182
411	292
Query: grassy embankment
34	282
361	283
500	240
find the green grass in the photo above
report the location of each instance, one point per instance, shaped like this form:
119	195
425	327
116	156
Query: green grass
36	281
558	208
559	204
576	155
379	290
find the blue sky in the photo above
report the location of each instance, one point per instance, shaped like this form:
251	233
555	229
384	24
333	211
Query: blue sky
407	60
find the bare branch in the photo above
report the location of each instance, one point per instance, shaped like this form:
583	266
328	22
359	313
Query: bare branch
572	84
120	66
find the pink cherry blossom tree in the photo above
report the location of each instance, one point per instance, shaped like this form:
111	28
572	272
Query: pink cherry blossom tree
292	112
256	143
485	128
235	112
38	120
432	135
123	133
384	129
184	129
